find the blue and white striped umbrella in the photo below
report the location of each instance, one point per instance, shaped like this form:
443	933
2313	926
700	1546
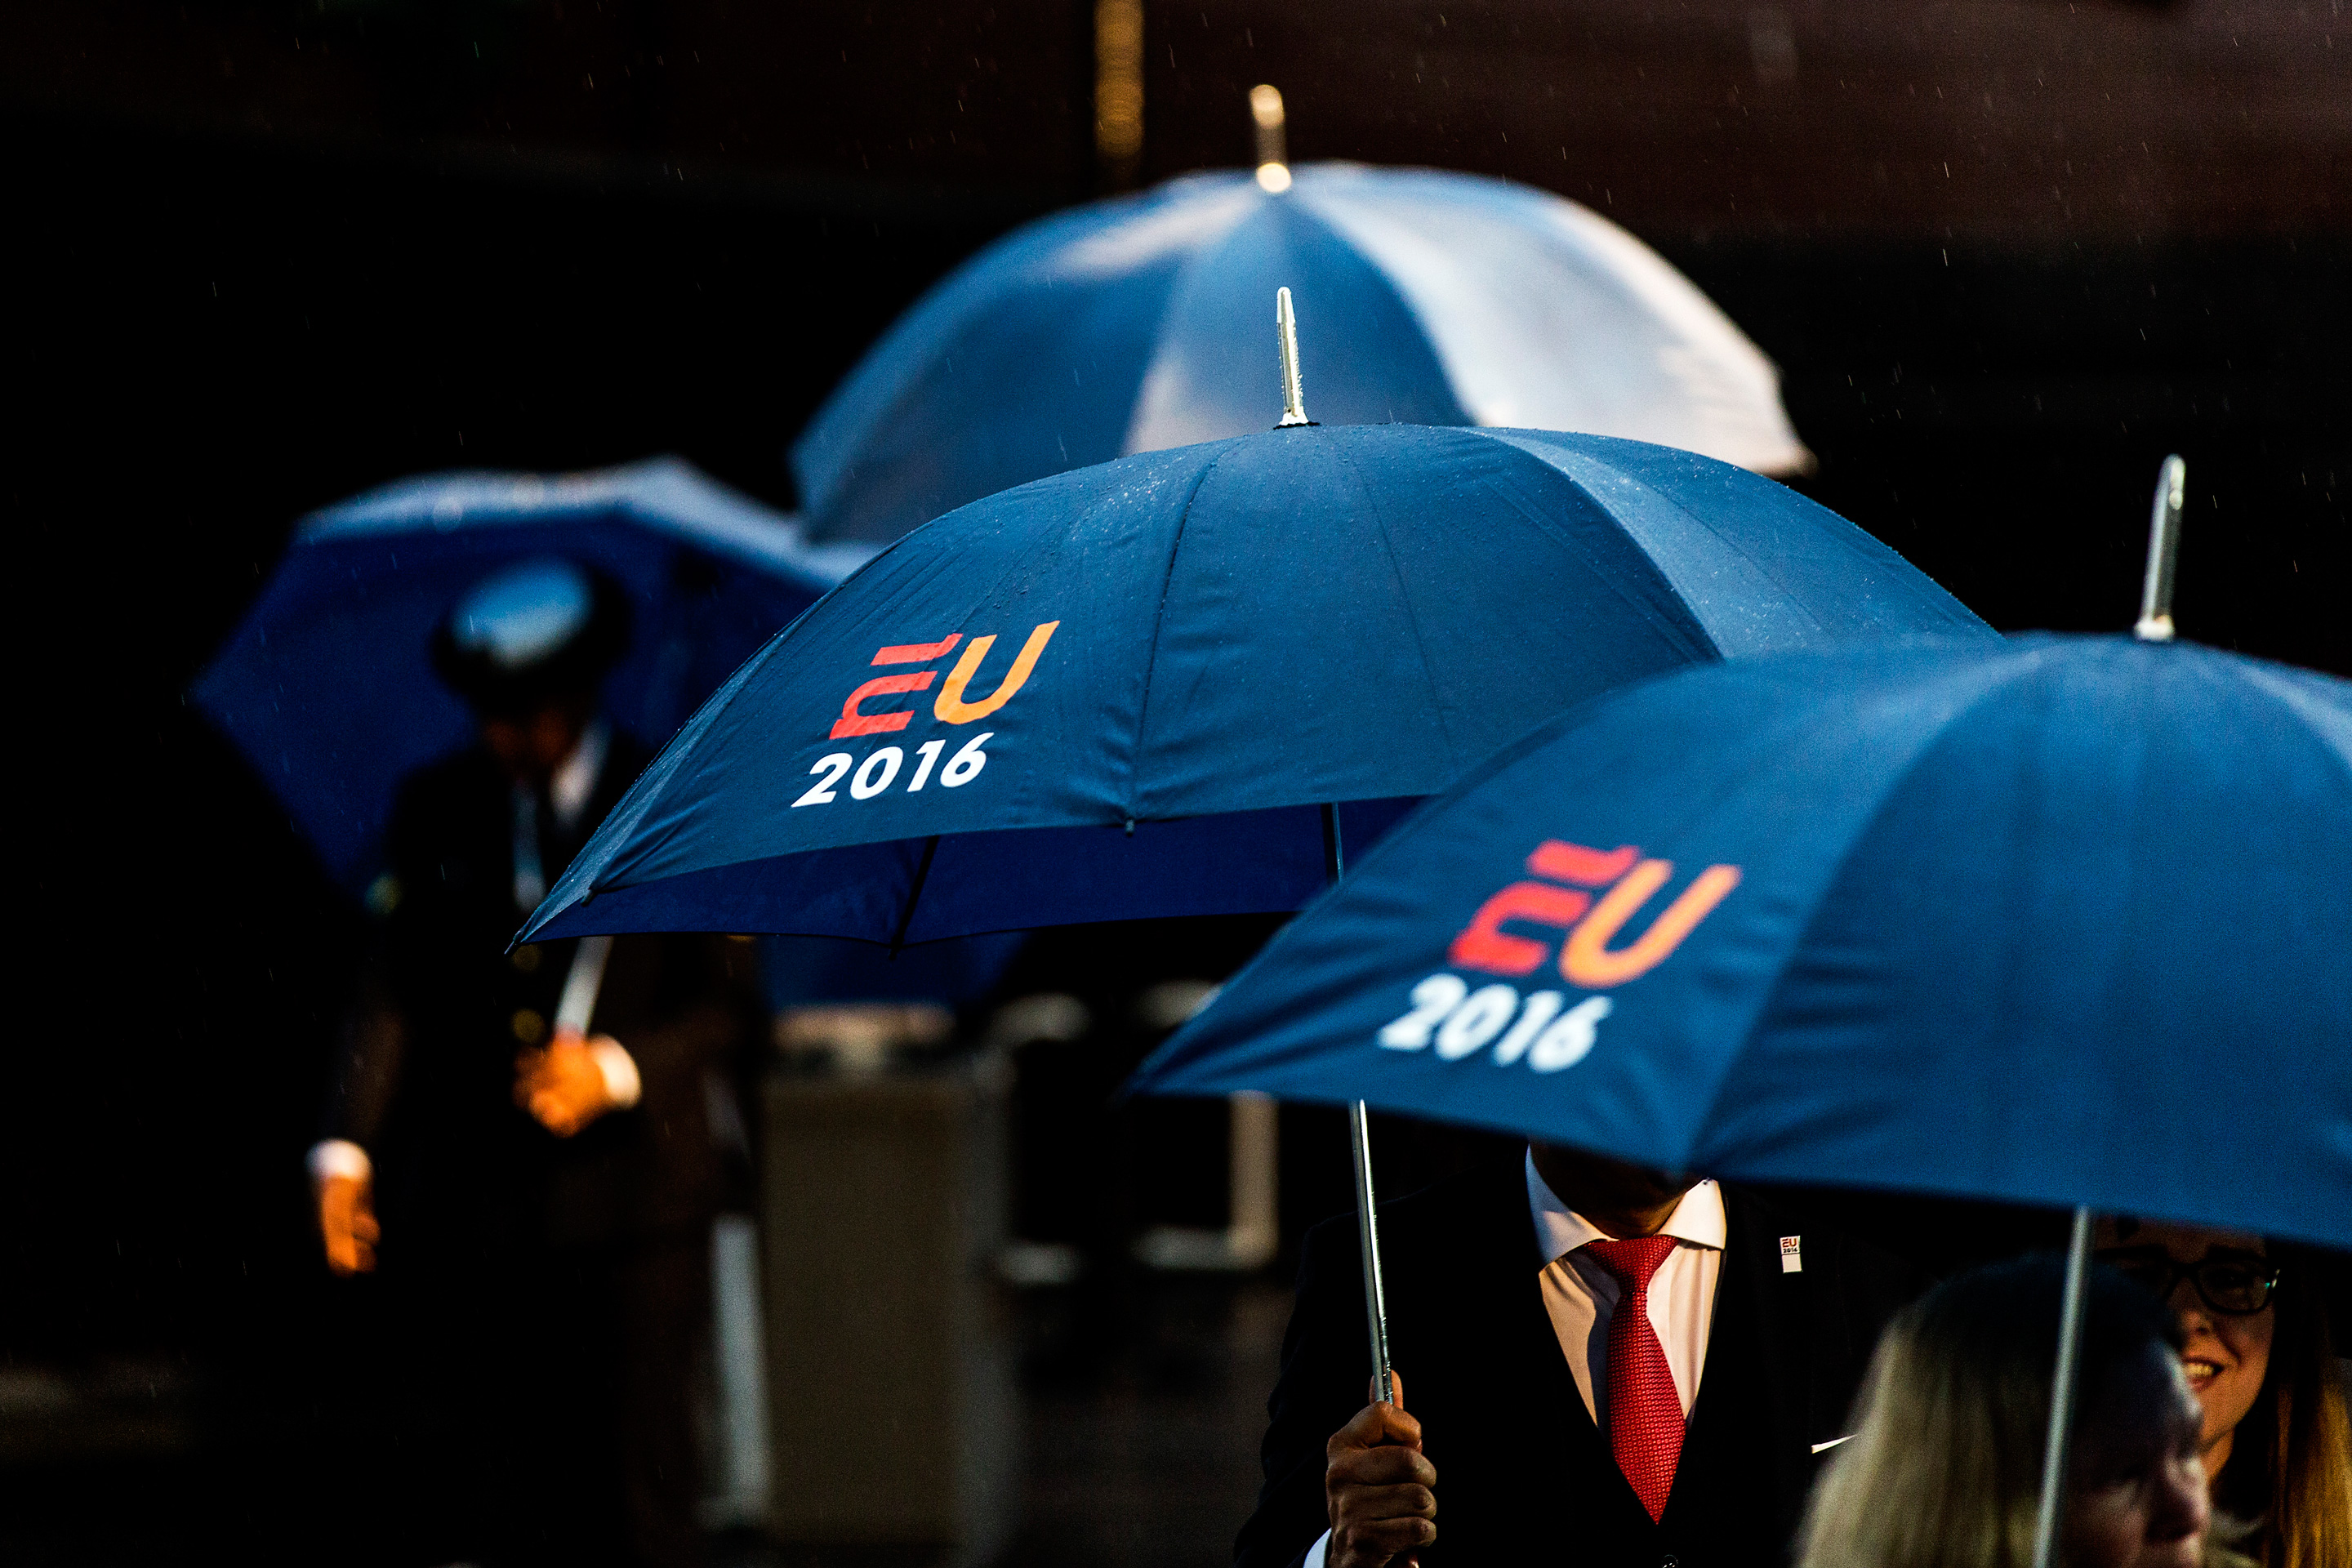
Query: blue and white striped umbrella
1144	322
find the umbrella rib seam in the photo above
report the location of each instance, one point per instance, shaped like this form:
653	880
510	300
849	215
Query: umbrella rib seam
1674	590
1688	626
1159	618
2268	685
1453	759
1879	808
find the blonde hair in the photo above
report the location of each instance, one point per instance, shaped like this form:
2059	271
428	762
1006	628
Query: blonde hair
1945	1466
1936	1475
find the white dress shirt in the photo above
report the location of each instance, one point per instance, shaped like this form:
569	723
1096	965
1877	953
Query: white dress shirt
1582	1297
575	780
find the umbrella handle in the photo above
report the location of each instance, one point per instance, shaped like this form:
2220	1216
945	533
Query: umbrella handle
2062	1390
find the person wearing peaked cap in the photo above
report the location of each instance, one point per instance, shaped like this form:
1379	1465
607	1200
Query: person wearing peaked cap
538	1203
1597	1363
538	637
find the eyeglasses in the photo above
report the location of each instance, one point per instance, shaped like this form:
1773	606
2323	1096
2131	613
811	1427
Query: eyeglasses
2235	1285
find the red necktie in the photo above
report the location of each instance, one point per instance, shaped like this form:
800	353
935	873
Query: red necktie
1645	1414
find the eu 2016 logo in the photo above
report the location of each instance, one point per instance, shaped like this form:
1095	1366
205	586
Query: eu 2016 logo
880	769
1584	901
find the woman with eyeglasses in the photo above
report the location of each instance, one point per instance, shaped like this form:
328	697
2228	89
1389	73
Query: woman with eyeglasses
2276	1445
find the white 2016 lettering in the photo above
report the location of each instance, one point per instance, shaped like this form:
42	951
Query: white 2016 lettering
1531	1020
1462	1021
879	771
1570	1041
867	784
965	766
833	767
1479	1019
1431	1000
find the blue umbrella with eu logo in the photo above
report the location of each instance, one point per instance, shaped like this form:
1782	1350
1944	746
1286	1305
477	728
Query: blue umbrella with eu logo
2056	921
1174	683
327	688
1978	922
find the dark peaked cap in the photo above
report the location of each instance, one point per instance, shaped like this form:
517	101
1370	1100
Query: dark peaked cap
530	632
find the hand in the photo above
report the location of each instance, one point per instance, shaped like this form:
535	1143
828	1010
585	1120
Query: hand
347	1223
1379	1492
564	1086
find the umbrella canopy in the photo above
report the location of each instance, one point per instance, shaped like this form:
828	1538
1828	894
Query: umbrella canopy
1127	692
2063	921
328	686
1135	325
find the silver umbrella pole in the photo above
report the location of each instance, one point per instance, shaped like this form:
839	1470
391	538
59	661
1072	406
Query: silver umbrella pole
582	983
2062	1392
1360	1134
1360	1144
1367	1240
2154	624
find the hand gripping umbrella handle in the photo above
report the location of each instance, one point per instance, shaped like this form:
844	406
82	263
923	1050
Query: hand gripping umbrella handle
1360	1144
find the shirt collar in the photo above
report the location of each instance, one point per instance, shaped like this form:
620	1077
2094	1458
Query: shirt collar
1559	1230
575	780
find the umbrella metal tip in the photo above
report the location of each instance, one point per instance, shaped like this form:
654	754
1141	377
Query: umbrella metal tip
1273	178
1294	394
2155	624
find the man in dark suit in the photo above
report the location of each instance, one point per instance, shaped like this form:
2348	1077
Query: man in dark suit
545	1196
1606	1366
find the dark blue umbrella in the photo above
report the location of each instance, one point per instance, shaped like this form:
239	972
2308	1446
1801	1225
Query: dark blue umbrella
2059	921
327	688
1131	690
1135	325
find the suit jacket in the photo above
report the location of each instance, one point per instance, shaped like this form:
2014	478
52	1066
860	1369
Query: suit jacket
426	1075
1523	1474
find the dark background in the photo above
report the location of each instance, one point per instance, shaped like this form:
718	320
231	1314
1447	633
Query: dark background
264	255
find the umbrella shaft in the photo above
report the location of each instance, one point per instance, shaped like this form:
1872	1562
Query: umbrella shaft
2061	1391
1376	1311
582	983
1360	1143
